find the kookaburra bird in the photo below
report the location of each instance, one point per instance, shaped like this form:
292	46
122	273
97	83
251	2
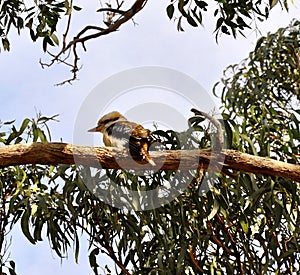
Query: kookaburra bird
119	132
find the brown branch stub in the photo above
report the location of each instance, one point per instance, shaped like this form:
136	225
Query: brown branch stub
296	55
106	158
111	10
220	136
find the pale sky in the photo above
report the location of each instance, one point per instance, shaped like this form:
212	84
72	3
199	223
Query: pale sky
25	87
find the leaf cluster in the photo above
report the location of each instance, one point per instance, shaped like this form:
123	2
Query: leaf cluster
40	18
242	223
261	116
54	202
21	186
261	97
232	17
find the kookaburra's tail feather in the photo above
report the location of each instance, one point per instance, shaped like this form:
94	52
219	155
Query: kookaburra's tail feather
152	162
139	150
149	160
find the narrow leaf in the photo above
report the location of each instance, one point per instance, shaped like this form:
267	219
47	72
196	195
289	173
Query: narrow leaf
25	224
170	11
54	39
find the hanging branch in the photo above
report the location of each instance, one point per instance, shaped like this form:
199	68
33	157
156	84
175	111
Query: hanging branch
82	37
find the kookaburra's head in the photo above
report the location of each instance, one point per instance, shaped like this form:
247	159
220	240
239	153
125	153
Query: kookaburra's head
108	119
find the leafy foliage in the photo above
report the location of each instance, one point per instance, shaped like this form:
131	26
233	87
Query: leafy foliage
232	16
261	97
243	224
21	186
261	112
40	18
55	202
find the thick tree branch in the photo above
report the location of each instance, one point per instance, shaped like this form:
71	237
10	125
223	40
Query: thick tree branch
62	153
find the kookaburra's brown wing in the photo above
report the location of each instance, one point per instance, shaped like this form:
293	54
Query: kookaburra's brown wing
130	135
139	142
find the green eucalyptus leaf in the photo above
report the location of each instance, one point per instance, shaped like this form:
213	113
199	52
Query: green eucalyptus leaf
54	38
170	11
191	21
5	44
93	261
77	8
25	224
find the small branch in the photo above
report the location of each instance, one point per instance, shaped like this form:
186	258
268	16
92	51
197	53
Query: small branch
105	157
81	38
68	26
111	10
89	28
216	240
297	58
74	69
220	137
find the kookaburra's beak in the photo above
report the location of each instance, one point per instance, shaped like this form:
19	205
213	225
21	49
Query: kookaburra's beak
96	129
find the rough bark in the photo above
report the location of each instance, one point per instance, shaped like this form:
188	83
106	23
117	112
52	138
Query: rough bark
105	157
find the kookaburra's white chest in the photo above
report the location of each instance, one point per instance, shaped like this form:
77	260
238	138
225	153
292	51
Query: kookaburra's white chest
114	141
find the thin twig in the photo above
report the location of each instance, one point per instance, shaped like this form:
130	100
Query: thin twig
297	58
68	27
111	10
